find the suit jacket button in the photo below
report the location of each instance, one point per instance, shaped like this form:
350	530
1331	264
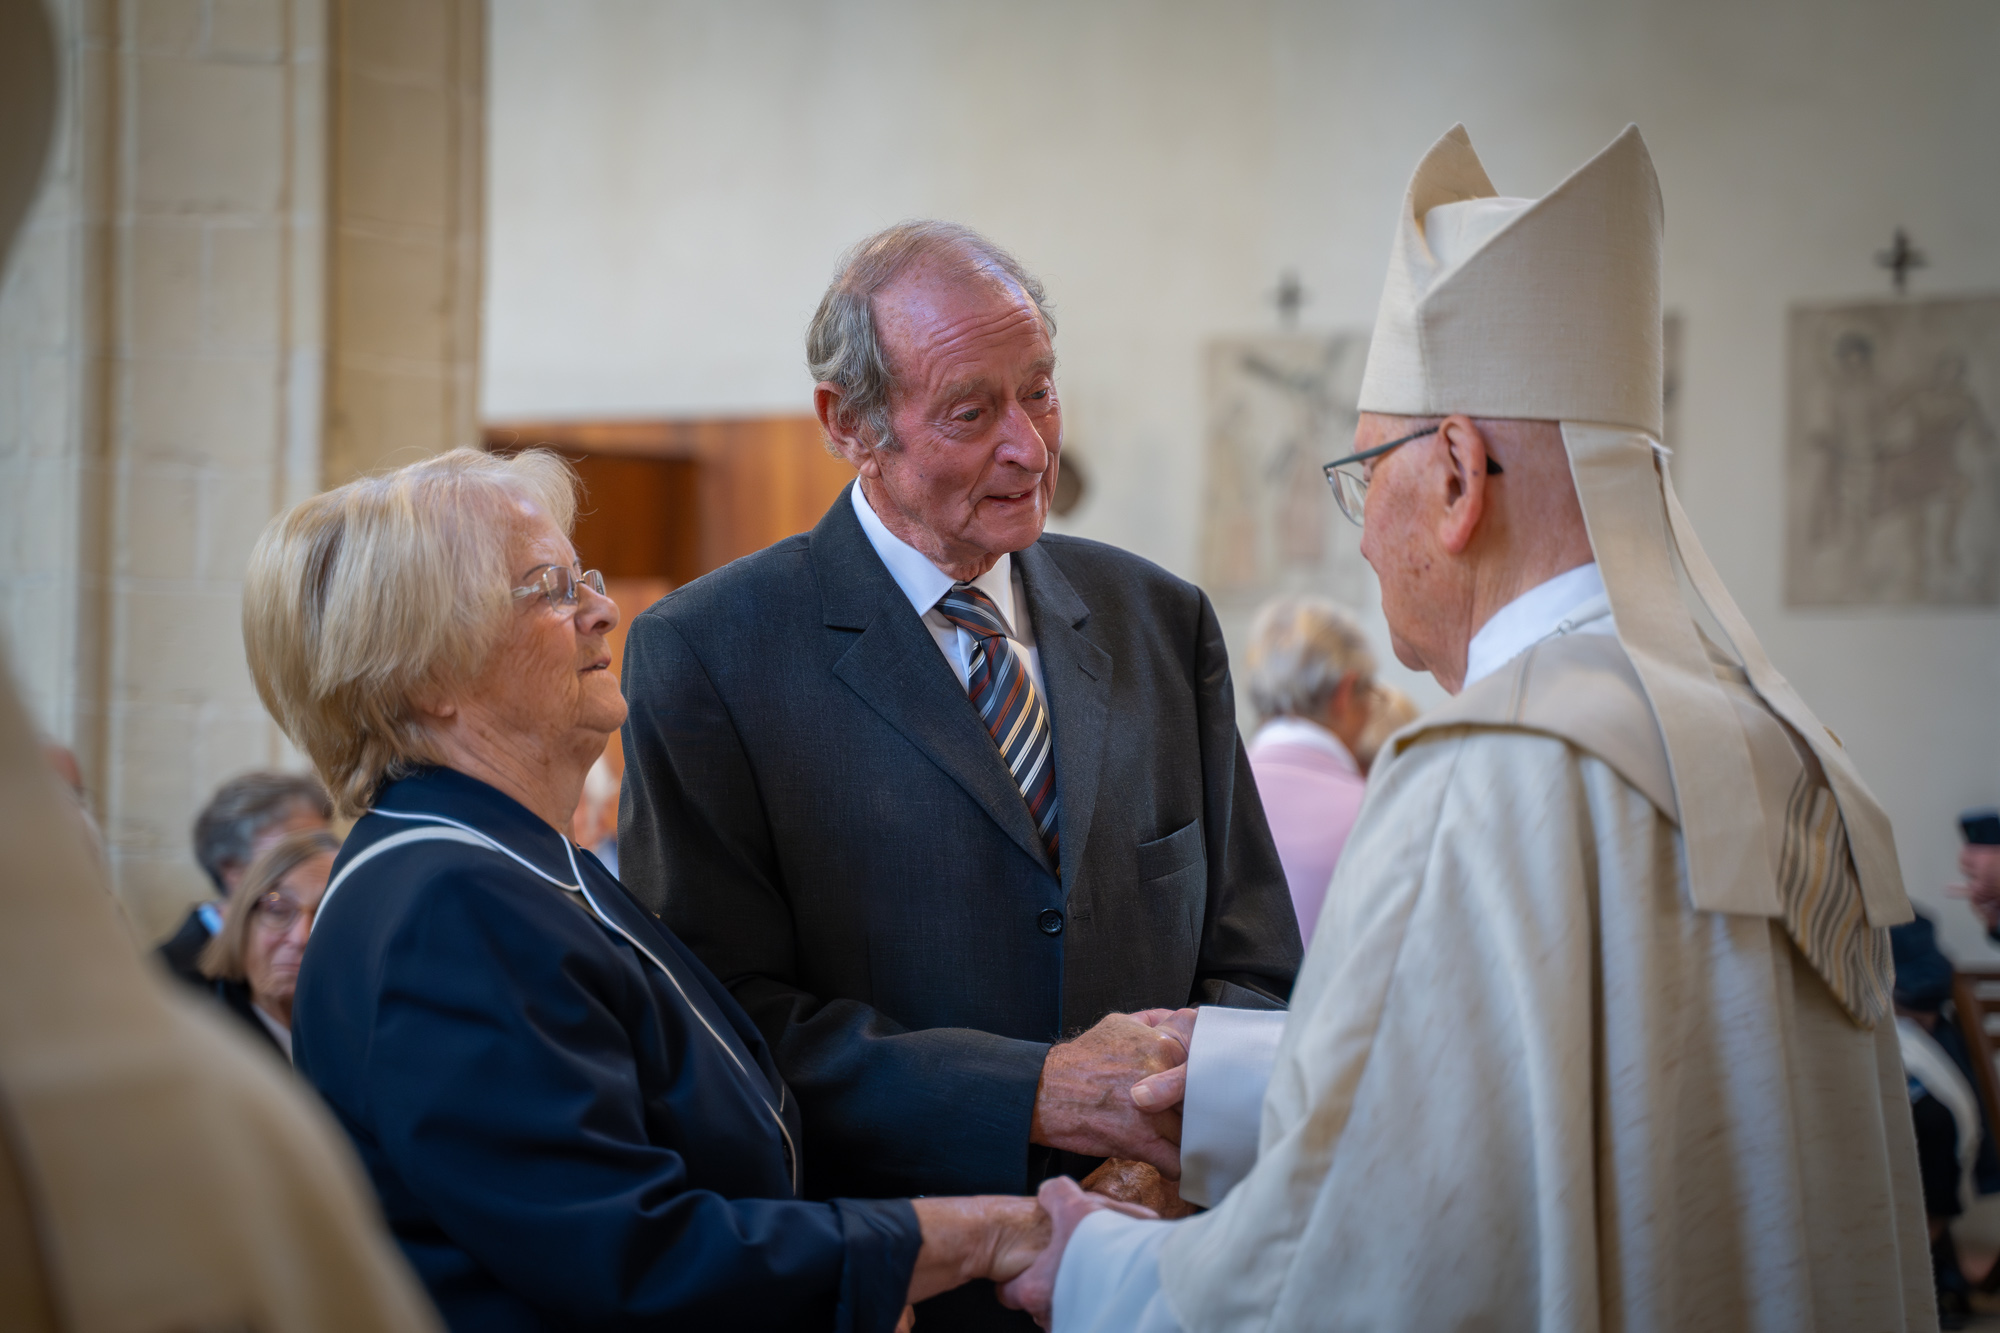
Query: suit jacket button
1051	922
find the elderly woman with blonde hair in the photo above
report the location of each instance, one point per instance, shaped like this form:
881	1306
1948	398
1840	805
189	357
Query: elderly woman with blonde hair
253	962
1312	682
568	1119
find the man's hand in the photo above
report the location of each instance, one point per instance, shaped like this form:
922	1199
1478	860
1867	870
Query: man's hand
1128	1181
1065	1204
1981	868
1084	1103
1164	1091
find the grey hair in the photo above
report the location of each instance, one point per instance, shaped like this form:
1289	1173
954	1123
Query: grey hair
1301	648
244	807
844	347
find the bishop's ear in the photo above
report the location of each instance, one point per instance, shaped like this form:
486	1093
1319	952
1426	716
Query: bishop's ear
1466	471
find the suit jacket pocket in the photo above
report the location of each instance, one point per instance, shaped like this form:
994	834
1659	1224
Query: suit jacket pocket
1175	852
1173	877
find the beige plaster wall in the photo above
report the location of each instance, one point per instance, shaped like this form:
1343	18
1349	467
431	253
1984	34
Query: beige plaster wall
671	181
163	357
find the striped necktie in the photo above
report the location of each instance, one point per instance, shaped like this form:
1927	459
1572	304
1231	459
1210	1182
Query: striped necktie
1004	693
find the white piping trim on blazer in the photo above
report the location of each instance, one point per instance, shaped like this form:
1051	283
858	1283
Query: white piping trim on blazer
453	831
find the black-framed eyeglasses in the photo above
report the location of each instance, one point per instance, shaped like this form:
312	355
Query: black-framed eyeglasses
558	583
1349	479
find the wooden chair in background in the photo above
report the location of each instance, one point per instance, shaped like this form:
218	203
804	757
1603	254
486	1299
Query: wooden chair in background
1975	994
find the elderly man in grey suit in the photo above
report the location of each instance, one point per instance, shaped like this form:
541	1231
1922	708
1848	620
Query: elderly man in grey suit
929	790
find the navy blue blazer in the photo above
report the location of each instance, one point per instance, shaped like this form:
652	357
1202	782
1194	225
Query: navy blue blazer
569	1121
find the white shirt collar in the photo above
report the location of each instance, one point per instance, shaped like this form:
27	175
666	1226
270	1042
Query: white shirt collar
923	582
1300	731
1571	602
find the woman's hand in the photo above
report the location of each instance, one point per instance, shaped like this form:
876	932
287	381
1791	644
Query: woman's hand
1066	1204
992	1236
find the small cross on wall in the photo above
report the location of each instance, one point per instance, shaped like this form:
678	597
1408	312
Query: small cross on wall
1900	258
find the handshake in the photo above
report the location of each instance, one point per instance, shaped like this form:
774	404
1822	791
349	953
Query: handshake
1114	1092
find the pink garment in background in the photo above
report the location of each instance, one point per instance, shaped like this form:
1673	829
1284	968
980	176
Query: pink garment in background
1311	788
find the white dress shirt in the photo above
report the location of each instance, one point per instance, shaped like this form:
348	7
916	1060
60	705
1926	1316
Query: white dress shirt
1113	1283
1571	603
925	585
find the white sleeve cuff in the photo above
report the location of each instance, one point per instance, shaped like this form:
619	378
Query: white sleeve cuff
1109	1281
1229	1066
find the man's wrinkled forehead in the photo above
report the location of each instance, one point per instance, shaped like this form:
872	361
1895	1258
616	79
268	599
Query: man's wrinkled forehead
942	324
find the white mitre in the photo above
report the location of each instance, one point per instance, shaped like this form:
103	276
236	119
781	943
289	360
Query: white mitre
1549	309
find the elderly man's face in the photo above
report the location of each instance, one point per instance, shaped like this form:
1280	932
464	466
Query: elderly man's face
974	412
1396	539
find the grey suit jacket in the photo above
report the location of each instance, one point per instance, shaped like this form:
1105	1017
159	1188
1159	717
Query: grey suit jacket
814	806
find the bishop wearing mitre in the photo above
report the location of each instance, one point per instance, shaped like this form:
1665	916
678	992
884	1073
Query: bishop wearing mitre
1594	1032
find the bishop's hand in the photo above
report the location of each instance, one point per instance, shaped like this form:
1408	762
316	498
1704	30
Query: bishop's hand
1084	1102
1163	1092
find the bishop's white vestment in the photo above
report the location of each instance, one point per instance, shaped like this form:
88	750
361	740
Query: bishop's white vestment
1525	1084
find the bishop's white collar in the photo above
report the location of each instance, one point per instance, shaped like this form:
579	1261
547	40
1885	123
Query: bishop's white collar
923	582
1570	603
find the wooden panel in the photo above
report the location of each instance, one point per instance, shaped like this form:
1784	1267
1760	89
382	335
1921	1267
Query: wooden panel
757	479
760	485
638	518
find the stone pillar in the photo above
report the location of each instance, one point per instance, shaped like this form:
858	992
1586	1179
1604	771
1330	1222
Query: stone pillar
407	189
164	382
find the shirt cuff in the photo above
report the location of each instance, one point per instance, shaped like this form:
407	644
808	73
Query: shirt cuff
1109	1281
883	1237
1229	1065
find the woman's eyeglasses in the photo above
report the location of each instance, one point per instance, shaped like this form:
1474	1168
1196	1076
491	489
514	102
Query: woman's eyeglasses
558	583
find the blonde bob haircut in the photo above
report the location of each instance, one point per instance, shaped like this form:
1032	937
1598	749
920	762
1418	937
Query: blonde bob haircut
1301	648
362	599
222	957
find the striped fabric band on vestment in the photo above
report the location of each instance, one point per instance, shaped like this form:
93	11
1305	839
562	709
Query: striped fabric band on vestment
1004	693
1824	913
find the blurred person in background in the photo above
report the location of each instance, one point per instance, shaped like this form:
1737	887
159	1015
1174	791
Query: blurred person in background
1950	1126
253	965
246	815
1389	712
1312	681
568	1120
1979	862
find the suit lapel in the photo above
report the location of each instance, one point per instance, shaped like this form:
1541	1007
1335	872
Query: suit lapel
1078	675
896	669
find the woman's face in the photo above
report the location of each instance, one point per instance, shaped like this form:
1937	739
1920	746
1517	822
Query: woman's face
280	923
550	678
